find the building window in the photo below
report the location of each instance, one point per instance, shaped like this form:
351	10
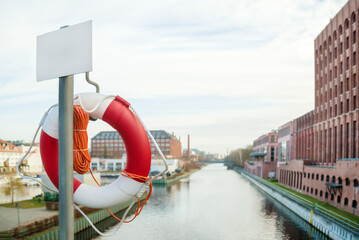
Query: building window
340	180
332	197
354	37
354	136
317	177
305	174
347	42
341	87
316	192
326	195
354	102
347	182
312	175
333	179
355	183
311	190
354	59
346	201
354	205
322	178
339	199
347	67
321	193
328	178
347	84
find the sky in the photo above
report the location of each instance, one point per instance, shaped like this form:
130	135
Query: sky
223	71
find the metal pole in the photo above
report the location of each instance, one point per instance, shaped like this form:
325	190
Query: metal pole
66	92
18	215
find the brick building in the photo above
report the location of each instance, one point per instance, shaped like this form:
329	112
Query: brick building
264	156
109	144
325	162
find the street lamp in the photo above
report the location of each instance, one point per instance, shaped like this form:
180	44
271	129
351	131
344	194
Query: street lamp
12	194
17	205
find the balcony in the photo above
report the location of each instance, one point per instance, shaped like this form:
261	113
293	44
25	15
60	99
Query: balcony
336	43
341	77
353	26
347	52
336	81
347	95
341	57
354	47
347	32
330	84
341	38
336	62
354	69
347	73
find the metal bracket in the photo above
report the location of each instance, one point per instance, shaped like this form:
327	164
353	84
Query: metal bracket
92	82
96	86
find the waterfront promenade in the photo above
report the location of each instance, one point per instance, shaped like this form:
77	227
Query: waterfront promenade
9	216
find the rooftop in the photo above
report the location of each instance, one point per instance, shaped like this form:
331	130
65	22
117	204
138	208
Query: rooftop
115	135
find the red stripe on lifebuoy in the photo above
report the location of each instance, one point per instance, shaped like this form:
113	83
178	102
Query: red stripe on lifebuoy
138	149
49	149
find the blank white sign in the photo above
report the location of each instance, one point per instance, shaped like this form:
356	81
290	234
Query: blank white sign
64	52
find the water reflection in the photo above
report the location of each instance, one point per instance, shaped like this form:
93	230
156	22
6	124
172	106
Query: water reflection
214	203
20	189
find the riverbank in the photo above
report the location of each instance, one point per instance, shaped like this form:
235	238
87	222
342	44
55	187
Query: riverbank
324	220
38	223
172	180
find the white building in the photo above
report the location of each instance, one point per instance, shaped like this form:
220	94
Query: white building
9	156
33	159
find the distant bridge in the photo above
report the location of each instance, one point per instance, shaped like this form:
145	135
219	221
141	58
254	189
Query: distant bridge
231	164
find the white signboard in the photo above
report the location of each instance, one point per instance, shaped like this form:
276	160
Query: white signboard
64	52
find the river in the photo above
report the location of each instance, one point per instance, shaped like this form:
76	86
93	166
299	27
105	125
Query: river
214	203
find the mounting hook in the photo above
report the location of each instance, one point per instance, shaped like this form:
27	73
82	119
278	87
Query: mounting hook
96	86
92	83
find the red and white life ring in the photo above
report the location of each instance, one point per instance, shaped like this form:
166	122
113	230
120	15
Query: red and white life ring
115	111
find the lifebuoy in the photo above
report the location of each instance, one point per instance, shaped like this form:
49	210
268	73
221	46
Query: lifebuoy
115	111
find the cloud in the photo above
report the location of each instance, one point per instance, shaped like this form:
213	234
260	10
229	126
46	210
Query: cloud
174	51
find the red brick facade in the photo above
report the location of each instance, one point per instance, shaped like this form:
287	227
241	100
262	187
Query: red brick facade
264	156
110	145
325	148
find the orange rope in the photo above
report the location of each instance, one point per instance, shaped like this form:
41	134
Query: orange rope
82	159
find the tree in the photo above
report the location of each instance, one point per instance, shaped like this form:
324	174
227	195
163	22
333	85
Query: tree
241	155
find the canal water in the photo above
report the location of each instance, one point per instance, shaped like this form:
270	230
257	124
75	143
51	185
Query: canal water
214	203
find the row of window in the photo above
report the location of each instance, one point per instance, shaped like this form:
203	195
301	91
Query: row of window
120	140
340	30
333	180
339	198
